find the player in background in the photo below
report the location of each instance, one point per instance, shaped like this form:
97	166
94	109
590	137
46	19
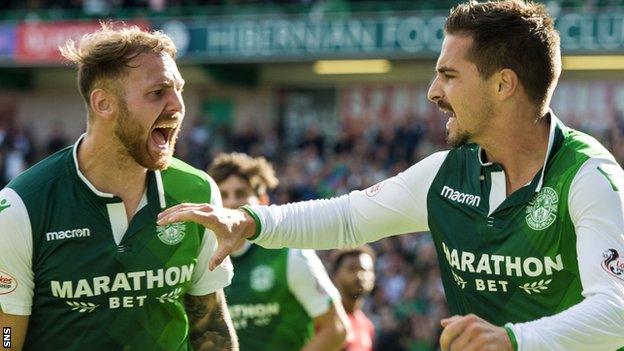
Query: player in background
83	264
353	273
279	299
527	215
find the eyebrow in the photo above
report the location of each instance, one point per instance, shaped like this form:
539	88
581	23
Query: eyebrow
167	83
445	69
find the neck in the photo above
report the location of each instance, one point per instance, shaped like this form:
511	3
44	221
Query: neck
350	303
519	144
106	165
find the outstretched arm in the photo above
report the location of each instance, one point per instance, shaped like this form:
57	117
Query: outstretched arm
394	206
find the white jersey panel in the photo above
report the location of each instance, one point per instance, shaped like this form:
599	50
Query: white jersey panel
204	281
16	274
596	203
309	282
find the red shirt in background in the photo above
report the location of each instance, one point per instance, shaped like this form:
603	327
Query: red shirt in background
363	333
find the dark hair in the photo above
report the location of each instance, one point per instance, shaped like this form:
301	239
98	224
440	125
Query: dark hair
102	56
514	34
338	256
257	171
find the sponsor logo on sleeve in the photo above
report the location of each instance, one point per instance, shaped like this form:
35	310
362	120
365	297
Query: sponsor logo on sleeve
7	283
612	263
373	190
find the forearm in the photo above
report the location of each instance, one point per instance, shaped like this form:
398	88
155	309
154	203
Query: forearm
318	224
331	330
210	323
328	339
346	221
18	326
597	323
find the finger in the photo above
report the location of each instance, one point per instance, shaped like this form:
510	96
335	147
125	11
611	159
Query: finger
472	330
174	208
182	207
451	331
223	250
481	342
190	214
446	321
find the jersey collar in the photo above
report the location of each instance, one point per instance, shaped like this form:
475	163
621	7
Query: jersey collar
155	178
555	137
84	179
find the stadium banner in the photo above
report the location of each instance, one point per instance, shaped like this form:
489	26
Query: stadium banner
38	43
308	37
593	106
7	41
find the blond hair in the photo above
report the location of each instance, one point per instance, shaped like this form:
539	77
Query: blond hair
256	171
102	56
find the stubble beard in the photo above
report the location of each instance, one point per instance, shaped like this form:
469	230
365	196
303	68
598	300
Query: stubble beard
134	141
460	139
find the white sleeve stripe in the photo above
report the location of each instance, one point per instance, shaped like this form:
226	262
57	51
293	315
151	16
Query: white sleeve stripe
309	283
16	254
597	322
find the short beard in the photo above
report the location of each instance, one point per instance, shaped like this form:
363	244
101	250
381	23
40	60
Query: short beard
459	140
130	133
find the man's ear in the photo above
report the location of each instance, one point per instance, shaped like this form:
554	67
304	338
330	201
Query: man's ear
102	103
506	83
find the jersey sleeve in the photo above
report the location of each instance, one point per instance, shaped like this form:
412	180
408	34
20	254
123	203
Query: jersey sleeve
596	204
16	274
397	205
309	282
205	281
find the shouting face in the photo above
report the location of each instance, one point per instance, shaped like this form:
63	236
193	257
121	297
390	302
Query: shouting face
151	110
460	92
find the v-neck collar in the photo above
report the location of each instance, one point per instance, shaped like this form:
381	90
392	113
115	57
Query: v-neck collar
555	136
525	194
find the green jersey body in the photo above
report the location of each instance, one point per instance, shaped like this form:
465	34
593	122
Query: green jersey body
94	293
266	308
517	262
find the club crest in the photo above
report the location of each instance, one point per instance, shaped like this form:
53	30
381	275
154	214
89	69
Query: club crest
542	210
171	234
262	278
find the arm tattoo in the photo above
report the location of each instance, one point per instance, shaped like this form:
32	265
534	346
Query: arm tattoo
211	328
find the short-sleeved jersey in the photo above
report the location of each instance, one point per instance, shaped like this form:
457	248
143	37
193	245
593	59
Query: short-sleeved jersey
87	277
274	296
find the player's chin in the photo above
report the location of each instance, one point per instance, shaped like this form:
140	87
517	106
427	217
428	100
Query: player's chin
162	163
158	161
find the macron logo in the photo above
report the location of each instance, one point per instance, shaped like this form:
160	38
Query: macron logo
68	234
454	195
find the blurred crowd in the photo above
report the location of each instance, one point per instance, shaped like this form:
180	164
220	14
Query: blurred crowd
408	301
92	7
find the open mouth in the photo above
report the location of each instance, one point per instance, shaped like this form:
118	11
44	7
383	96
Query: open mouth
449	113
161	135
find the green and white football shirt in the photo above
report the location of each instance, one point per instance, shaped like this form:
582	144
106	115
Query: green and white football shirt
552	248
90	280
274	296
